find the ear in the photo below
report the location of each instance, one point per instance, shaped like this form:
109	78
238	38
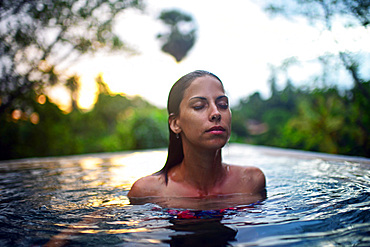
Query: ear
173	121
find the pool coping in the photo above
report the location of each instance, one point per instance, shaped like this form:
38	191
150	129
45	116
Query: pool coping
275	151
266	150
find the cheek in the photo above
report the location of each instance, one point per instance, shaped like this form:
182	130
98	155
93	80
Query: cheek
227	118
191	120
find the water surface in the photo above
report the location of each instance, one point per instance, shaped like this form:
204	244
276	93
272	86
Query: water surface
312	200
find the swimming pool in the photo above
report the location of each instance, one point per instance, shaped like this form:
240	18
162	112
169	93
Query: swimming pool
312	200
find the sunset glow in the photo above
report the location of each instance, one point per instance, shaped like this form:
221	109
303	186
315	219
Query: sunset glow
238	46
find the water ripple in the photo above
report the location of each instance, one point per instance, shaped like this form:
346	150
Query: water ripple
80	200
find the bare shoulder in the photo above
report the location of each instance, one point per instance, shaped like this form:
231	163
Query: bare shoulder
151	185
251	178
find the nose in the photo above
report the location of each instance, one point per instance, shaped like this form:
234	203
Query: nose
215	115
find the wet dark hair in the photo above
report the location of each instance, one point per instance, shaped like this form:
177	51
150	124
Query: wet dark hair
175	151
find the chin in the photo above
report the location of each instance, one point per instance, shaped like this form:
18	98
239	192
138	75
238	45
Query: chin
217	144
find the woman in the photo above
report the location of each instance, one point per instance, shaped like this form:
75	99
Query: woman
200	125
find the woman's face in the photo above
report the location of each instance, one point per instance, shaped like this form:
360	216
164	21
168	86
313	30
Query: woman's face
205	116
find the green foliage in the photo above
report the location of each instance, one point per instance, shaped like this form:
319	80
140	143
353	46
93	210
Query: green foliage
318	123
39	40
148	129
325	119
356	12
37	37
116	123
320	120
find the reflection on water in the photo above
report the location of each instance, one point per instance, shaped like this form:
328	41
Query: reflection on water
82	200
210	232
207	203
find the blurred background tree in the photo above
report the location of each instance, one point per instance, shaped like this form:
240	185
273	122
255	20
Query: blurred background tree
322	14
323	120
317	117
117	122
181	36
39	38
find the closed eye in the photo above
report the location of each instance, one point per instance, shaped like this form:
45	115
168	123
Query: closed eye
199	107
222	102
223	106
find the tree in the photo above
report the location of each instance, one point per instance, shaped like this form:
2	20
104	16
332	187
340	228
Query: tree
182	35
325	12
38	37
355	12
318	123
73	86
115	123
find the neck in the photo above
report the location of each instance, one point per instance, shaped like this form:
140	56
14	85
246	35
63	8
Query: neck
202	169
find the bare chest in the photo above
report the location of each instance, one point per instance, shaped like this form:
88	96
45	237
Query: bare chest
182	189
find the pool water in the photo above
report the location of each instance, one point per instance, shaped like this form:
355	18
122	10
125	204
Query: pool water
312	200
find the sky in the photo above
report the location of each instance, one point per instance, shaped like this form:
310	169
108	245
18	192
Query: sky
238	42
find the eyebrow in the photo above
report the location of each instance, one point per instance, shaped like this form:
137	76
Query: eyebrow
198	97
222	96
204	98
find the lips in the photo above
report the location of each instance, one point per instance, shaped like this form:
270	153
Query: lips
216	129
